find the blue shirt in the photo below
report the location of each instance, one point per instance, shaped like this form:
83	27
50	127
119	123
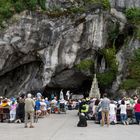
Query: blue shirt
37	105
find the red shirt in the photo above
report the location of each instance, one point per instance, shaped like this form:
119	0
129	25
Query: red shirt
137	108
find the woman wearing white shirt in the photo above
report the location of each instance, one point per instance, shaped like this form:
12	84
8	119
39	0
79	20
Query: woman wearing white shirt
123	112
112	112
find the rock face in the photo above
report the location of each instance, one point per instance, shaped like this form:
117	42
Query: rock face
39	51
122	4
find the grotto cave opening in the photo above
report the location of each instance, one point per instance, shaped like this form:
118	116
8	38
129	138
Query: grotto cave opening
83	89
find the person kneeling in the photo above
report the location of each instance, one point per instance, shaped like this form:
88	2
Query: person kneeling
82	120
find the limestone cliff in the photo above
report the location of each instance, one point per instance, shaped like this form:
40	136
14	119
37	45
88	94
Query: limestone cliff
40	50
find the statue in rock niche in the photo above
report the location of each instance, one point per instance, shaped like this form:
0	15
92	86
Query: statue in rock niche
61	95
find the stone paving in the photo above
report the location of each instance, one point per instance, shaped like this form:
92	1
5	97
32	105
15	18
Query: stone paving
63	127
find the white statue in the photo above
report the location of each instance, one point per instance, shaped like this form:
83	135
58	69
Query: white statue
61	95
94	92
68	95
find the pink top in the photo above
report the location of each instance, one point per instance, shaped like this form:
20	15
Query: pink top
137	107
13	107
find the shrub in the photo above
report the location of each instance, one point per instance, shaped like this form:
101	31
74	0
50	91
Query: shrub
133	79
10	7
113	32
110	57
19	7
105	79
138	32
85	65
133	15
105	3
130	84
134	66
76	9
42	4
6	10
30	4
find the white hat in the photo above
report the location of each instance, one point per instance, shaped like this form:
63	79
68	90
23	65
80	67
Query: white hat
82	114
29	95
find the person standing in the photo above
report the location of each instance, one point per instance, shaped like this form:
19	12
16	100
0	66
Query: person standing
29	110
137	111
105	103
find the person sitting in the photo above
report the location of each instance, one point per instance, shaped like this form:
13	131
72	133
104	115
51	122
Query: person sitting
48	107
13	111
38	107
43	108
54	104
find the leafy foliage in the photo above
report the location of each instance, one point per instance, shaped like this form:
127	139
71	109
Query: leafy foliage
10	7
105	79
6	9
18	6
133	15
42	4
130	84
113	32
138	32
110	57
134	66
104	3
30	4
85	65
133	78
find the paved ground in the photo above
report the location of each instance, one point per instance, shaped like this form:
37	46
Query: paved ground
63	127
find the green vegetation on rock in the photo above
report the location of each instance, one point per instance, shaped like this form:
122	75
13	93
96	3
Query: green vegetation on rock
85	65
133	16
113	32
133	79
10	7
110	57
104	3
106	78
130	84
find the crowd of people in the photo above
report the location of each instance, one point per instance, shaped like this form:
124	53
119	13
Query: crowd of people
103	111
19	110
